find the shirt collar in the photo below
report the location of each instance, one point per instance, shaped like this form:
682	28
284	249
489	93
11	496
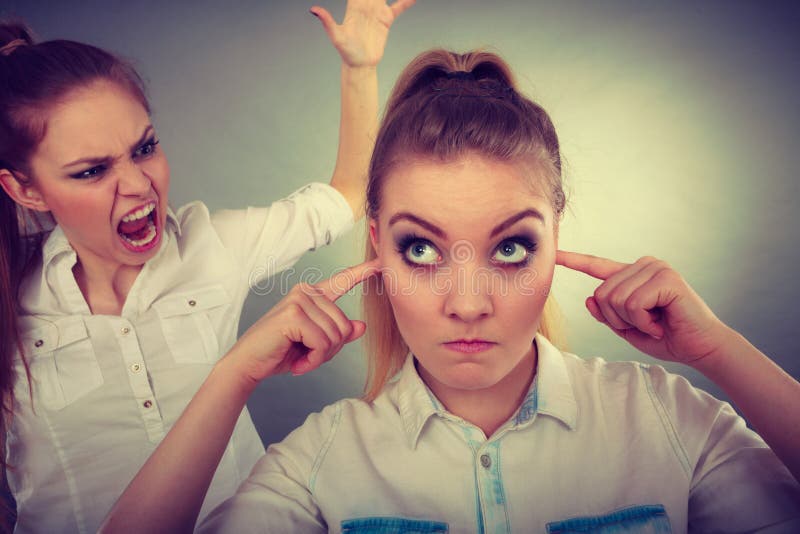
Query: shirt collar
57	244
551	394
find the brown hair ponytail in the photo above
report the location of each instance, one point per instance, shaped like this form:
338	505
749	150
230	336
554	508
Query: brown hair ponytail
34	77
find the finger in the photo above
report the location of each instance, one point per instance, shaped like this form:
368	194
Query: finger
322	318
343	281
594	266
610	316
312	337
594	310
653	298
633	301
614	292
327	20
343	323
359	327
400	6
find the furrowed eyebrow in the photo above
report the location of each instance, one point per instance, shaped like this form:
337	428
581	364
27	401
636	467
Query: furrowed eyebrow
406	216
530	212
99	160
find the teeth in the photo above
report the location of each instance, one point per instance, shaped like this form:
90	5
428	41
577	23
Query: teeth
141	212
151	234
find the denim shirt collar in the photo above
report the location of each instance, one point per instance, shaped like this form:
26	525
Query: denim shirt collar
551	394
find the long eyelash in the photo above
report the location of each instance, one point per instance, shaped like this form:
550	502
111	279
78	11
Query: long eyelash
527	243
152	142
406	241
80	175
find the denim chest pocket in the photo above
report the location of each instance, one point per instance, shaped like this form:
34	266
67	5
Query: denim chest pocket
186	323
640	519
391	525
62	363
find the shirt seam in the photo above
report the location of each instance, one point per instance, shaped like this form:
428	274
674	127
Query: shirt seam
70	477
323	451
666	422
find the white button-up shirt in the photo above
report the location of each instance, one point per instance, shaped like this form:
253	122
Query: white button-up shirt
106	389
594	447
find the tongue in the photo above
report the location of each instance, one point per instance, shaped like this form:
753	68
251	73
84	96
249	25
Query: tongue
133	227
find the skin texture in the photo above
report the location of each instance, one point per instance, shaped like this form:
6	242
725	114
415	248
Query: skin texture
101	121
469	293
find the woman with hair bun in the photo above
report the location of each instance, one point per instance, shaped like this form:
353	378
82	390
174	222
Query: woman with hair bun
115	312
473	419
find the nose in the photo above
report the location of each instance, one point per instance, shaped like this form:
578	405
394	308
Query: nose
470	296
133	181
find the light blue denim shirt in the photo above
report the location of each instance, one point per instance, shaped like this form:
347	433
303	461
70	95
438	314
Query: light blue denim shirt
594	447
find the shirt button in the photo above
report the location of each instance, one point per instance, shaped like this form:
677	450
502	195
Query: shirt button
125	330
486	461
192	303
38	343
147	403
136	367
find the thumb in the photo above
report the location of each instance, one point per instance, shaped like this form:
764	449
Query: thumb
327	21
359	327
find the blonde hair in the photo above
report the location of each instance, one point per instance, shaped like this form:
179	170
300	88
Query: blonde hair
443	105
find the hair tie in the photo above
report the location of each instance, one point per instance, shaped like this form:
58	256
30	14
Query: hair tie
11	46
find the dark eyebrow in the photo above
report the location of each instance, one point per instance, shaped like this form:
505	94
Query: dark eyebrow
105	159
432	228
530	212
404	215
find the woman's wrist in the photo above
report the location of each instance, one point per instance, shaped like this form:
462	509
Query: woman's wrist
732	347
236	370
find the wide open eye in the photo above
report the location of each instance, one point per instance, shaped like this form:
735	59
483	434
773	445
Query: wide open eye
422	252
417	251
513	251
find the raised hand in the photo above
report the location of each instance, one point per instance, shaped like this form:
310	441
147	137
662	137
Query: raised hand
651	306
361	37
304	330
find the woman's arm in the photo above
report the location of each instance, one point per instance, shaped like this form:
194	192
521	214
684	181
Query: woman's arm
651	306
360	41
300	333
767	396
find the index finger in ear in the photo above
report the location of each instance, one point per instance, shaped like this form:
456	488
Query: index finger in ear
595	266
343	281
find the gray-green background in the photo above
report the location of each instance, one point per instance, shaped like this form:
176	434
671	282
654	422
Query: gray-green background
679	125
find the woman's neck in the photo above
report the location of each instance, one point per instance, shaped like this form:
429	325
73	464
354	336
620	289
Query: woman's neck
488	408
105	287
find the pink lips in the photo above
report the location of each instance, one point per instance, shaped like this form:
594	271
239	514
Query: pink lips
469	346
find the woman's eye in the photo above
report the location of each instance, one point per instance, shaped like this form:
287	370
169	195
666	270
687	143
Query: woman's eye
511	252
94	172
422	253
146	149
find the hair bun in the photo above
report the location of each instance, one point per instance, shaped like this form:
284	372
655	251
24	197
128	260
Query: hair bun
14	35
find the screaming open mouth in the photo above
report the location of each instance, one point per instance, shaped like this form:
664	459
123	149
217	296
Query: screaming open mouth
138	230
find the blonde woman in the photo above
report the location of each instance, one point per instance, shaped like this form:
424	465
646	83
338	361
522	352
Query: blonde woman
473	420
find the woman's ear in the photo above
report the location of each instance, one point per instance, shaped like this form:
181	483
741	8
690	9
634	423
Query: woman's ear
24	195
373	234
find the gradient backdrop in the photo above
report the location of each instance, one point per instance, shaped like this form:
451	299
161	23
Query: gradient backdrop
679	124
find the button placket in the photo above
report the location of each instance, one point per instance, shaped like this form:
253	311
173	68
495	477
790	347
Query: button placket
138	379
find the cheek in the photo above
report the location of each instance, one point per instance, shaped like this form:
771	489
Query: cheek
413	302
158	171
